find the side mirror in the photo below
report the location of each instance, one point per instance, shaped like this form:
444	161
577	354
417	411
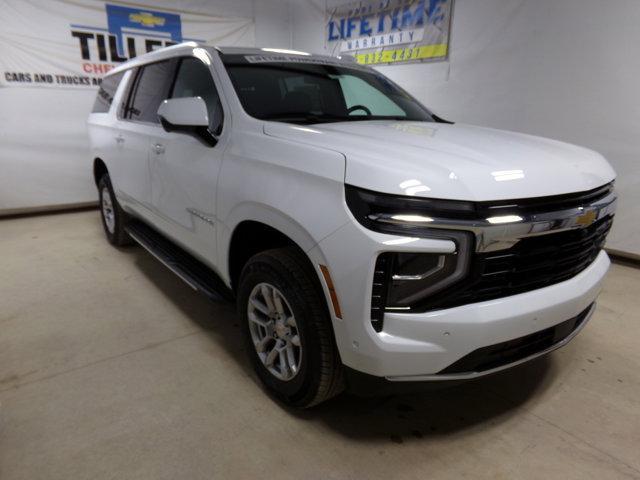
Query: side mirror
188	115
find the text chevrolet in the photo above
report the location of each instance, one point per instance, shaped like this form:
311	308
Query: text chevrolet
367	242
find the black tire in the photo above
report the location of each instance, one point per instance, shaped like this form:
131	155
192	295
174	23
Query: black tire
319	376
114	226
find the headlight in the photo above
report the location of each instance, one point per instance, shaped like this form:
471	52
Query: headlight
399	214
404	281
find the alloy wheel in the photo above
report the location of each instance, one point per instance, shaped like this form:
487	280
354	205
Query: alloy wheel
108	212
274	331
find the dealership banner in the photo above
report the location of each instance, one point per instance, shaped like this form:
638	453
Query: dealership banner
71	43
390	31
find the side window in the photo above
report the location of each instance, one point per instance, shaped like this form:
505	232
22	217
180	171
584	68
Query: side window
106	93
151	88
194	80
359	92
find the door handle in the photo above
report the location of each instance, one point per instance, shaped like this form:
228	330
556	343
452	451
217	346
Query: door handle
159	148
119	139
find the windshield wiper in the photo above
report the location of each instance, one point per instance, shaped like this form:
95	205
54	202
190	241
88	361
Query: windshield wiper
305	117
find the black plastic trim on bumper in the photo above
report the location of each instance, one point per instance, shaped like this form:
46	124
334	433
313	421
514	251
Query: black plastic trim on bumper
363	384
505	353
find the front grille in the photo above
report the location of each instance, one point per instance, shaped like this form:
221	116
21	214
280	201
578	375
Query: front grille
534	262
500	354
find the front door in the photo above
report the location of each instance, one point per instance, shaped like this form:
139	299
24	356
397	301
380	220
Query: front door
184	169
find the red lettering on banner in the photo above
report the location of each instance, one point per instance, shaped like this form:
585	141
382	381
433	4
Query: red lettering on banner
96	67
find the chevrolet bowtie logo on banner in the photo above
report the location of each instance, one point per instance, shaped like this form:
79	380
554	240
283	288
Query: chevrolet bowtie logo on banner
146	18
135	22
390	31
78	42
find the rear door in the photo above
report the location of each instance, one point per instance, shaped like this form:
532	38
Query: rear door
103	126
138	124
184	169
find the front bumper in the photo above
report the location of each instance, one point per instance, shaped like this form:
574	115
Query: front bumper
418	346
368	385
503	355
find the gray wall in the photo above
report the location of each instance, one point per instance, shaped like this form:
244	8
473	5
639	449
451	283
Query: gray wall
566	69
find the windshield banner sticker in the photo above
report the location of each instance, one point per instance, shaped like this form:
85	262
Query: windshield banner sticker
78	42
291	59
390	31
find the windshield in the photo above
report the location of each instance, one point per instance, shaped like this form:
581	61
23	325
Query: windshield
317	92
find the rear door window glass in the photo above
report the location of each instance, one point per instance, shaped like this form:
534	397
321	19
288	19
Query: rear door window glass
106	92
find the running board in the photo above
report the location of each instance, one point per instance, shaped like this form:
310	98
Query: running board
191	270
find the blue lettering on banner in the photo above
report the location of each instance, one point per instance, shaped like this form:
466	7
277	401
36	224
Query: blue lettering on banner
361	22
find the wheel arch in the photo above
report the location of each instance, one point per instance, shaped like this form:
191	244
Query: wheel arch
99	169
248	239
256	228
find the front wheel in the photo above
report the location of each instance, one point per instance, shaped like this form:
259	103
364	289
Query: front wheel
287	328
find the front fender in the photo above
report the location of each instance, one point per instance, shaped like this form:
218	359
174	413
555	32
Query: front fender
251	211
295	188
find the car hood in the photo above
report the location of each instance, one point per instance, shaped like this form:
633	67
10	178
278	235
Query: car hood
452	161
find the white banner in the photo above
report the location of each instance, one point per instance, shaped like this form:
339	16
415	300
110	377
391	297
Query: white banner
66	43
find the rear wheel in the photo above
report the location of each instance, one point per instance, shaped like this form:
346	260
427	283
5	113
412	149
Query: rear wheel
288	329
113	217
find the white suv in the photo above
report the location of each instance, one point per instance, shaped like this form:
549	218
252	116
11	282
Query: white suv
367	242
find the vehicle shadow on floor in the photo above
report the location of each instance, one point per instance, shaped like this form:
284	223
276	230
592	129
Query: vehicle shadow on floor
396	419
438	412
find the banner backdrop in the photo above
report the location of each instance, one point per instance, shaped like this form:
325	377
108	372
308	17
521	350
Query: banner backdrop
390	31
66	43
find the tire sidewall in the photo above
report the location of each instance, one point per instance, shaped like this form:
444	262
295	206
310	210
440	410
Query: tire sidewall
303	384
105	181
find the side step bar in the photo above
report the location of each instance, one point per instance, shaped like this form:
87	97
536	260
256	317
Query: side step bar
191	270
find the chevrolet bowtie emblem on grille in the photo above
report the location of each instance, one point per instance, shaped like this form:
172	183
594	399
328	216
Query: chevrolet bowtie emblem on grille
147	19
587	218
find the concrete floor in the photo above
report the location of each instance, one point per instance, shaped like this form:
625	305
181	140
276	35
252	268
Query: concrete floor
111	367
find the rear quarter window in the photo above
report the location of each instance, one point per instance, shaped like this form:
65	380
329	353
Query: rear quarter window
106	92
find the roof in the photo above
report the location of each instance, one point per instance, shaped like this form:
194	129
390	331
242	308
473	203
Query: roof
188	47
157	55
281	51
